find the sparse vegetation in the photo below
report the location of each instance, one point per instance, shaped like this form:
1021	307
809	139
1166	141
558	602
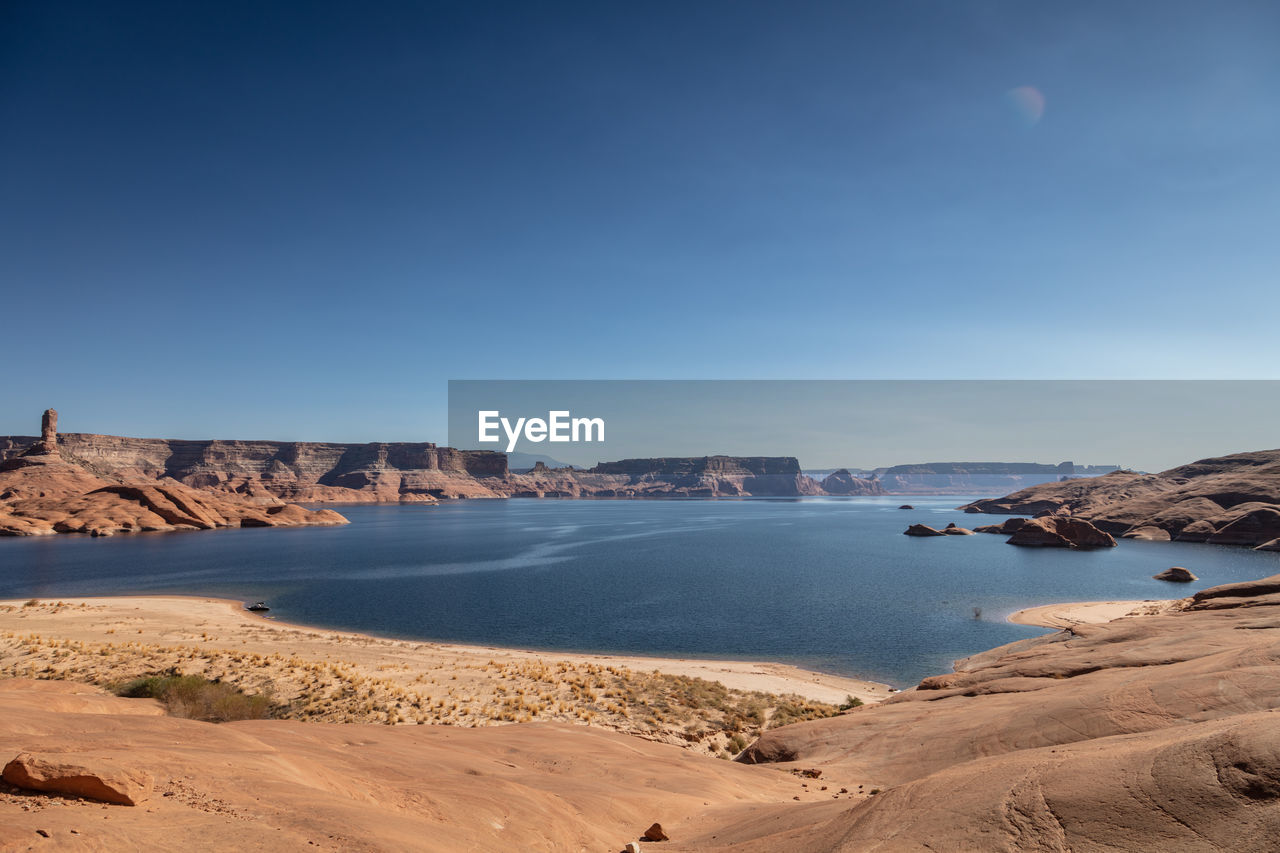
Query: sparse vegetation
234	683
851	702
198	698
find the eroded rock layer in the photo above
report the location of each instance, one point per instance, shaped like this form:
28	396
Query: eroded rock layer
1226	500
316	472
43	492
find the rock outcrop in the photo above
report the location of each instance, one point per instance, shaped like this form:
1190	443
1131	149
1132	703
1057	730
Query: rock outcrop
1147	534
48	432
1060	531
45	491
953	530
844	483
79	775
1177	574
1006	528
1228	500
922	530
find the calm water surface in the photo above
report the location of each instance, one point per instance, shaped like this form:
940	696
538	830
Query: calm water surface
828	583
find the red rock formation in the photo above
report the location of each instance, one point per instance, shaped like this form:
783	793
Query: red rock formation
1147	534
1060	531
953	530
1225	500
80	775
43	493
1255	527
49	431
1006	528
316	472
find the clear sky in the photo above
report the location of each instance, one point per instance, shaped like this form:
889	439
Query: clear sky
297	221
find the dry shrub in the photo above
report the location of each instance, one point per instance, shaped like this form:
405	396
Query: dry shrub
198	698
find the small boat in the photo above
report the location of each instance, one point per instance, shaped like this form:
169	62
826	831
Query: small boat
257	607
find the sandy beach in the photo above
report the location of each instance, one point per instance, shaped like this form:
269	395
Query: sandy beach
340	676
1070	614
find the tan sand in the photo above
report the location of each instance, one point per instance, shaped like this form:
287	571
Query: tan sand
338	676
1073	613
280	785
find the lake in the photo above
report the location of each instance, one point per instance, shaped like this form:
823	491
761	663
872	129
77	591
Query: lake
825	583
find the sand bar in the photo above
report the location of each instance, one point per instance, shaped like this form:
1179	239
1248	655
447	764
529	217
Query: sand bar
1070	614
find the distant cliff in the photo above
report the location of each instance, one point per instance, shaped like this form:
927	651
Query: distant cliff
844	483
694	476
292	470
978	477
315	472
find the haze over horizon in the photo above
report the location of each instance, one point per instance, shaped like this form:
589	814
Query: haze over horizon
239	220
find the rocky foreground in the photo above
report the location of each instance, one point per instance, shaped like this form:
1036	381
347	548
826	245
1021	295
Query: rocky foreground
1227	500
1155	733
1150	733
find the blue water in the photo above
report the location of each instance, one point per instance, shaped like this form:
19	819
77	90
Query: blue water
827	583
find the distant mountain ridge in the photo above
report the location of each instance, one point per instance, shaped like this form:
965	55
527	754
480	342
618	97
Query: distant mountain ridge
334	472
951	478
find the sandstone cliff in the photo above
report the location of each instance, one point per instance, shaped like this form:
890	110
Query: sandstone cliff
293	470
1228	500
317	472
43	491
695	476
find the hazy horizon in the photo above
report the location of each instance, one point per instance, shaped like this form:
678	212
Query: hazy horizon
828	424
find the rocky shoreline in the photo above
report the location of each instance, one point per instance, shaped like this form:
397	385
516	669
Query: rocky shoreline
1225	500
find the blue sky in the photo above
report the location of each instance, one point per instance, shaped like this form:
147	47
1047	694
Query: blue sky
272	221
